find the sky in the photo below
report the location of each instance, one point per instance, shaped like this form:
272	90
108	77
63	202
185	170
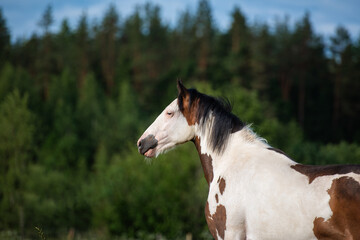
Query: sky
22	16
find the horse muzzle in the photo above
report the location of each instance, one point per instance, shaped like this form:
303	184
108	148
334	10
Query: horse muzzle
147	143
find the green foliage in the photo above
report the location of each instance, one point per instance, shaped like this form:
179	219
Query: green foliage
74	102
55	203
149	196
6	80
342	153
17	129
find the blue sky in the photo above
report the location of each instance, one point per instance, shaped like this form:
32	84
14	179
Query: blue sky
23	15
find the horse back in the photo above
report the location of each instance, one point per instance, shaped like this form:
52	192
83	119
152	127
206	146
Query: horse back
344	202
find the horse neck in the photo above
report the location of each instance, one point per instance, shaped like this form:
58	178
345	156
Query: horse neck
206	161
211	160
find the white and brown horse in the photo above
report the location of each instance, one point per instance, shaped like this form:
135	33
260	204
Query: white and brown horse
255	191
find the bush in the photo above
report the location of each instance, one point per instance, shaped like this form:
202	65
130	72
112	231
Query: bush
166	196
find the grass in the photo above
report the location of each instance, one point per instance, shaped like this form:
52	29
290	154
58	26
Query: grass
40	233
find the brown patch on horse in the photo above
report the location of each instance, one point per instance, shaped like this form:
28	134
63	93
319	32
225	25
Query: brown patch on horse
188	107
190	111
345	205
217	198
222	185
206	162
217	221
313	172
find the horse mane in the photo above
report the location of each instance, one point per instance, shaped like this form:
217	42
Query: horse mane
214	113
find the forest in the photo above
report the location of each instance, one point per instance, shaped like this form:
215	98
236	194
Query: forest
73	103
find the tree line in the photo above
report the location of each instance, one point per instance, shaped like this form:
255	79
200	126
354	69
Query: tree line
74	101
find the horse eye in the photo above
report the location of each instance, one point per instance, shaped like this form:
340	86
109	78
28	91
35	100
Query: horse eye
169	113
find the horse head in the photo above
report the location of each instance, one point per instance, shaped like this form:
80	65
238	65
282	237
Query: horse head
172	127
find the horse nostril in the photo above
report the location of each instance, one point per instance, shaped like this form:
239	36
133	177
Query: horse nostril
139	145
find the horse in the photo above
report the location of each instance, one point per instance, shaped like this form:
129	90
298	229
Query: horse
255	190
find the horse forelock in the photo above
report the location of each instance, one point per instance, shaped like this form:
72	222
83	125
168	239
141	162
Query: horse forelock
213	115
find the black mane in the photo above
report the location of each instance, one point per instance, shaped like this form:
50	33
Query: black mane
224	123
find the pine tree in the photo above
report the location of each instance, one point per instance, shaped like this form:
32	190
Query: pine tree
205	33
4	40
108	36
184	38
82	41
135	45
342	67
64	48
46	51
262	62
303	43
285	61
239	59
340	50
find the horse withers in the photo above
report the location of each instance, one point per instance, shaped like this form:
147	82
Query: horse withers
256	191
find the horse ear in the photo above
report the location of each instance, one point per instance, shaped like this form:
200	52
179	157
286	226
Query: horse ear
182	91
